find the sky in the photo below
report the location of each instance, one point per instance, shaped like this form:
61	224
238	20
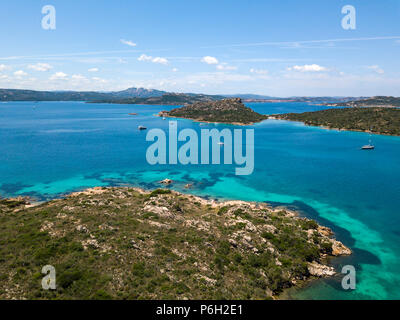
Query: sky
272	47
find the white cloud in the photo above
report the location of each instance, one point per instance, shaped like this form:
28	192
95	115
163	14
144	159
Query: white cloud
308	68
175	70
159	60
209	60
225	66
40	67
20	73
377	69
93	70
97	79
144	57
78	77
259	71
128	43
3	67
59	76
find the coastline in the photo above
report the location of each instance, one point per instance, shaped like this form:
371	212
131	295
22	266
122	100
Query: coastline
163	115
336	129
317	269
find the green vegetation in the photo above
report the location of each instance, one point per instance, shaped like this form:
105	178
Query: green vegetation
380	101
224	111
376	120
128	96
124	243
171	99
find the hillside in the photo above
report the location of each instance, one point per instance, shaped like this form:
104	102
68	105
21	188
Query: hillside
128	96
224	111
376	120
172	99
31	95
139	93
125	243
380	101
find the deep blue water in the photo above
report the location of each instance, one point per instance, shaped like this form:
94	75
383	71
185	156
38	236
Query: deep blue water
50	148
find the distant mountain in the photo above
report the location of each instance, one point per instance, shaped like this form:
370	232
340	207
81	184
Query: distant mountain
249	96
166	99
139	93
151	96
379	101
31	95
128	96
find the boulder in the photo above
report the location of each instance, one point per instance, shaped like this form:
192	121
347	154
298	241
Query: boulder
320	270
339	249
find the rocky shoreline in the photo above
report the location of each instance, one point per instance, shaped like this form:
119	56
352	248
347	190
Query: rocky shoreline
201	248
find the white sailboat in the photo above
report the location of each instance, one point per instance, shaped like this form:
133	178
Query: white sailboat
369	146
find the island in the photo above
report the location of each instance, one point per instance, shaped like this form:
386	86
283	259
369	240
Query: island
231	111
128	243
380	120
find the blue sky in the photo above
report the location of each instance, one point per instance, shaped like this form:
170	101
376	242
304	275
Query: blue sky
274	47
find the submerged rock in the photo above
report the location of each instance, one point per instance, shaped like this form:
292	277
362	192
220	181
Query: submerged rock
166	181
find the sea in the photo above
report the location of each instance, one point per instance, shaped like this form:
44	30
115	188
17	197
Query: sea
48	149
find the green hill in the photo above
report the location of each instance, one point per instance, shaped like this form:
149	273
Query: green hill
224	111
125	243
376	120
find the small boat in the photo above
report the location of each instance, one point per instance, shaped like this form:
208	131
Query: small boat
220	143
368	147
142	128
164	118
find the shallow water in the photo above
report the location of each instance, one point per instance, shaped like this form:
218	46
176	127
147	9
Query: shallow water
50	148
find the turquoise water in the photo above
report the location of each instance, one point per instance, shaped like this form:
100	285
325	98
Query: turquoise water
51	148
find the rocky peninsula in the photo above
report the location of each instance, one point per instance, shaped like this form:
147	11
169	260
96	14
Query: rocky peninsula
380	120
128	243
231	111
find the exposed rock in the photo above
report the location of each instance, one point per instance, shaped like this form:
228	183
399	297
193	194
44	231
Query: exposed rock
325	231
134	245
339	249
161	211
90	243
82	228
320	270
208	280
